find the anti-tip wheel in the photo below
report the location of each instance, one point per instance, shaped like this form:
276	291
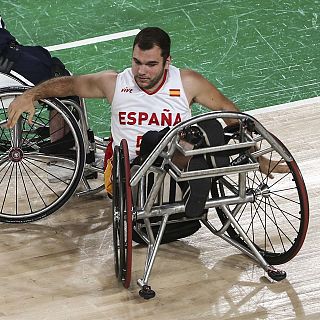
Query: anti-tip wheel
276	274
146	292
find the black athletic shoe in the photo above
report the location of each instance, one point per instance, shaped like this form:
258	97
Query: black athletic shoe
196	194
214	136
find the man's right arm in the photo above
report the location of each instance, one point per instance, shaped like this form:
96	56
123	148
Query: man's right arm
98	85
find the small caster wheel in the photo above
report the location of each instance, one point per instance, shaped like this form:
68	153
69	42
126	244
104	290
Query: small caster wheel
276	274
146	292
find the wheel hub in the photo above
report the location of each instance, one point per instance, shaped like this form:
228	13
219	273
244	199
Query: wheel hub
263	191
16	154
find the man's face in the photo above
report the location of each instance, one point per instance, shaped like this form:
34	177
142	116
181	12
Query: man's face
148	67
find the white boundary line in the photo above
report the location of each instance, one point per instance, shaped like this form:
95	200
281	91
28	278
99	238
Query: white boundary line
284	106
85	42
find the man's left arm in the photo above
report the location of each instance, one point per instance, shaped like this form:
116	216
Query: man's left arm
202	91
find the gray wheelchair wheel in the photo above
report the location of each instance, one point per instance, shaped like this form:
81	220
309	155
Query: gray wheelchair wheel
40	164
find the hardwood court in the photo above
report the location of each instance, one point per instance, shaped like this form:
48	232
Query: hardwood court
62	267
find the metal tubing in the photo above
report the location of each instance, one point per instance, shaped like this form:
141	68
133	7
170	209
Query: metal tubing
171	208
16	134
254	250
154	250
167	139
215	172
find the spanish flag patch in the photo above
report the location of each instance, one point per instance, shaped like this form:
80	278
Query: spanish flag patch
174	92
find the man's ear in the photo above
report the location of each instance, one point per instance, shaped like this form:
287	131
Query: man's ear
168	62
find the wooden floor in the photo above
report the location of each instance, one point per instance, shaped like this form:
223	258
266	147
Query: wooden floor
62	266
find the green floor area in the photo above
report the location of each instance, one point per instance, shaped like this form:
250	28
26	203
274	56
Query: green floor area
258	53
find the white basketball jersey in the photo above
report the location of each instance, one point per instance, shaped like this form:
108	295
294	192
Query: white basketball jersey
135	111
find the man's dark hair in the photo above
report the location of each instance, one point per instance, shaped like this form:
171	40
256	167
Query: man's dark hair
149	37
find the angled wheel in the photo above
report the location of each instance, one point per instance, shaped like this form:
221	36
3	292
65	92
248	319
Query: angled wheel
277	220
122	214
40	164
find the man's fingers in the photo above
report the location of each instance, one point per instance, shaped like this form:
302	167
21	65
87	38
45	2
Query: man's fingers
13	117
13	120
269	167
9	121
282	169
277	169
31	114
16	108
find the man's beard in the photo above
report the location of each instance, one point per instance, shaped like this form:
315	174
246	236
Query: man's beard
152	82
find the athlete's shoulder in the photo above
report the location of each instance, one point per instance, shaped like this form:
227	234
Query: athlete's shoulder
126	71
191	80
108	75
190	75
100	79
106	81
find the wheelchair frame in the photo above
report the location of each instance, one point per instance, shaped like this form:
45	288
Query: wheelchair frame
234	194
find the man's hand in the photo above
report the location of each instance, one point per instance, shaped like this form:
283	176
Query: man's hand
272	166
20	104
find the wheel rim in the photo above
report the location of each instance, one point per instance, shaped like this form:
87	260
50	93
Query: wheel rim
37	175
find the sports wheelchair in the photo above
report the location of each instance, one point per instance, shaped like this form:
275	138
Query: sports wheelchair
263	214
259	211
43	164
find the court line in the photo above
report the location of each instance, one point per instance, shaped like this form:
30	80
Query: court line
93	40
284	106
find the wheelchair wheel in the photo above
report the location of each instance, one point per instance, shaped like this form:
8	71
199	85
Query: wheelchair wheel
277	220
122	214
40	164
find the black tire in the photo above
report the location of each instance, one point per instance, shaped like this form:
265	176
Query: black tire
277	221
117	224
122	214
31	163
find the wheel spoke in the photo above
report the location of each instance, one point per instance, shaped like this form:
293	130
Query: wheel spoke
7	187
24	186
